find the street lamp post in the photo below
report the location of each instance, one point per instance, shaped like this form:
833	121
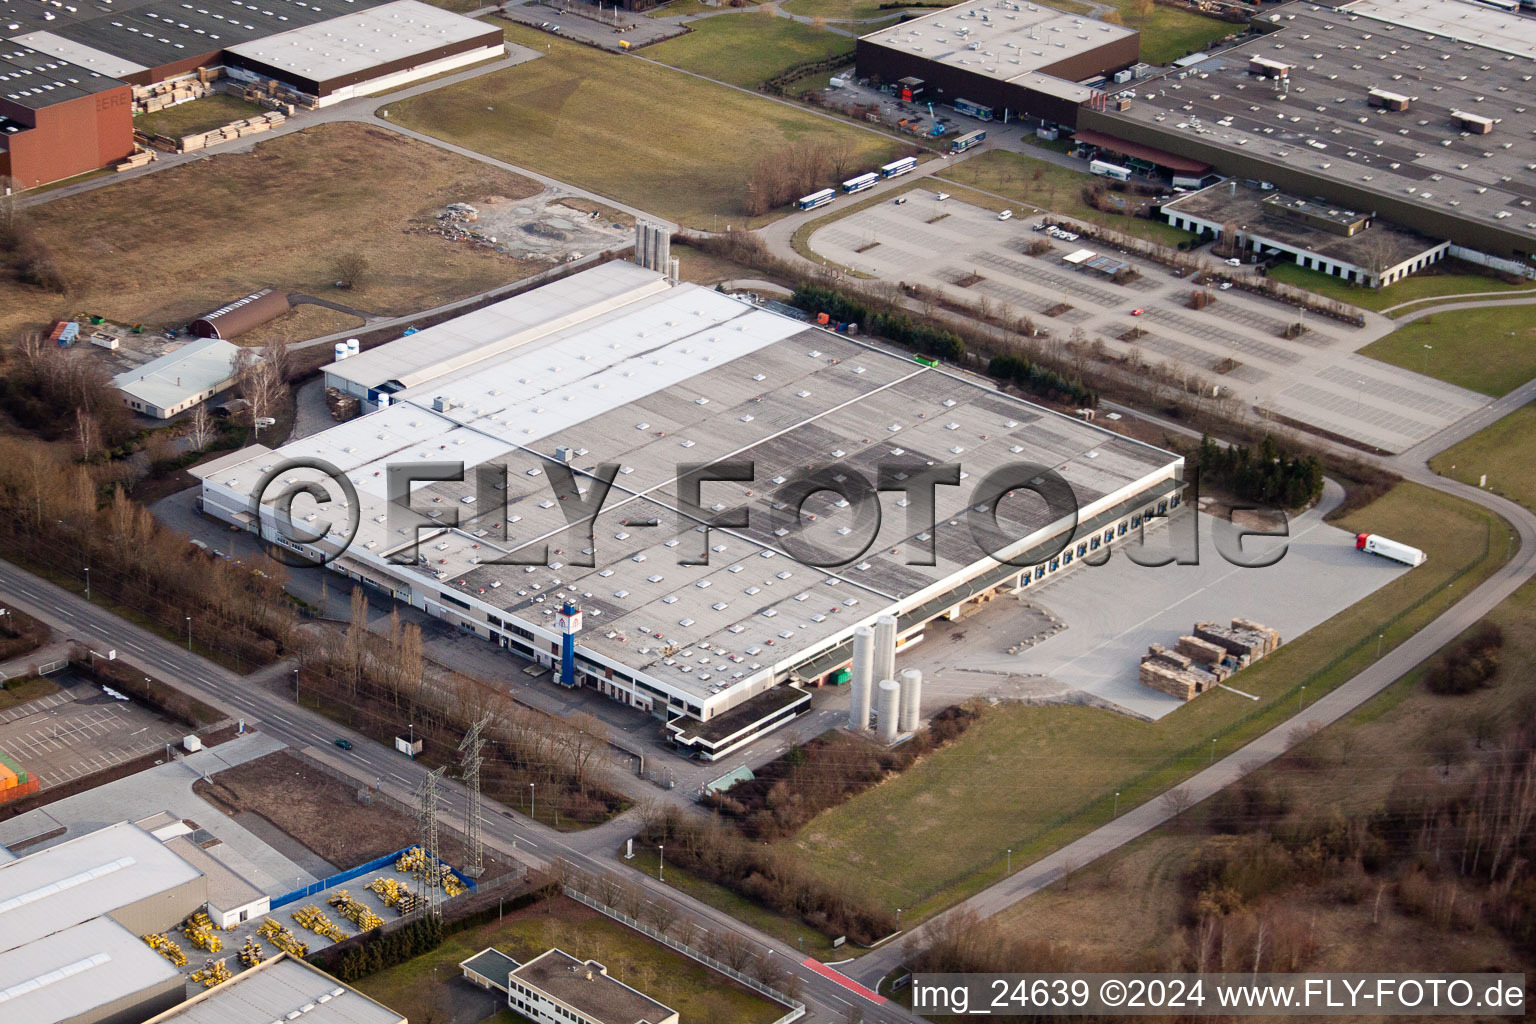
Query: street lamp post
87	583
532	794
1213	750
1301	698
189	632
1379	638
413	740
661	863
1427	350
1117	805
1010	860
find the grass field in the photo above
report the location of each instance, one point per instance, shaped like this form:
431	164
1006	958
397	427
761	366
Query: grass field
1129	903
421	989
212	111
163	248
747	49
857	10
1492	350
679	7
1505	452
1426	285
1033	778
1171	33
594	119
1051	187
27	688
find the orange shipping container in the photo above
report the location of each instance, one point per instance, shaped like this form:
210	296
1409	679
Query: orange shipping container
7	778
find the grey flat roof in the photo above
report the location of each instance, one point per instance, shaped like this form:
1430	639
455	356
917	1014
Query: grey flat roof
1378	247
226	890
558	974
71	972
34	79
684	375
491	963
999	39
151	33
1324	124
87	57
274	989
83	878
176	376
358	40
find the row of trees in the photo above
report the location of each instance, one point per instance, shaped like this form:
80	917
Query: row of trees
380	683
1266	474
770	875
796	169
57	395
1469	664
1036	379
894	324
23	253
53	523
805	780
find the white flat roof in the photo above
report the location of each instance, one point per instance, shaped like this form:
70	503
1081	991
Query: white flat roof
1462	20
360	40
1000	39
274	990
71	972
85	56
687	375
83	878
499	327
176	376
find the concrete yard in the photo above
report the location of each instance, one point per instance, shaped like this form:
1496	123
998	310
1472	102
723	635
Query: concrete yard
79	731
1089	644
1316	378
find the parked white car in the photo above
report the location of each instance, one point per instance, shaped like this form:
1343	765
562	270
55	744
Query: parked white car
1005	215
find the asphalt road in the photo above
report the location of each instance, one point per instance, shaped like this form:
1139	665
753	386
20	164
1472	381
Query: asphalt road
595	851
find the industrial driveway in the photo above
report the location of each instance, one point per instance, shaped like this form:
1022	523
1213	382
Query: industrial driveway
1235	342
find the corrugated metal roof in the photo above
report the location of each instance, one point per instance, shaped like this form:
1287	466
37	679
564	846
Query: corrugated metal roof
70	972
98	873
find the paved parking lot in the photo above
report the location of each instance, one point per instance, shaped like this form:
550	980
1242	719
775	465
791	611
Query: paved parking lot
1091	626
80	731
1316	378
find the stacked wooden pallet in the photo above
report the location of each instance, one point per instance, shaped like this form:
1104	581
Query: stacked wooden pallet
234	130
138	159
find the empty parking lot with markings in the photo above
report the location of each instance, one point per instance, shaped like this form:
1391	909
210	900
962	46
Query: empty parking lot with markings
1237	341
79	731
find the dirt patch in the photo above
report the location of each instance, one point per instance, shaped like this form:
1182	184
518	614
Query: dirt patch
1058	309
969	281
169	246
935	220
867	246
301	323
320	812
549	226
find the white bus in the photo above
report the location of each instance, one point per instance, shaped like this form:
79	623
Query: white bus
816	199
1504	5
896	168
1108	170
861	183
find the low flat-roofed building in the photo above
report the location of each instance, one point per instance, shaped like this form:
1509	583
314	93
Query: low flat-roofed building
686	615
489	968
1316	235
367	51
1020	57
120	871
178	380
557	988
96	972
281	988
231	899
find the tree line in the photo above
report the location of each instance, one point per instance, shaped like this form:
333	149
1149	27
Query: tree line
1266	474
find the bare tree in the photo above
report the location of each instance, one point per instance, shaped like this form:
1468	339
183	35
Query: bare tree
735	951
200	428
276	355
87	434
351	268
1177	801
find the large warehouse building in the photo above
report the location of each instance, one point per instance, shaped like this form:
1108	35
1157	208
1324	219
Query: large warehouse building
1420	112
71	917
66	70
699	625
1019	58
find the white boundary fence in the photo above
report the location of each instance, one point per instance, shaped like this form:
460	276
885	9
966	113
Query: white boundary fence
797	1008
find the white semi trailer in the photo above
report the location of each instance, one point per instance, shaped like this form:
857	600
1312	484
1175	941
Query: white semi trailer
1372	544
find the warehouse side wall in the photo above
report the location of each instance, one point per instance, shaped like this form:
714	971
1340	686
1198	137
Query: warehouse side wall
164	910
70	138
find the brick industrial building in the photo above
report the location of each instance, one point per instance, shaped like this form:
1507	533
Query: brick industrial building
68	73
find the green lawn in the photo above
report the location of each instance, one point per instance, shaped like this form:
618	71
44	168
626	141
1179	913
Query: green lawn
1492	350
24	689
854	10
677	7
1051	187
747	49
1034	778
420	989
212	111
1426	285
598	120
1171	33
1505	452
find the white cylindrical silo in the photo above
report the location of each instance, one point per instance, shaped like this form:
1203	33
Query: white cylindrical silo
888	710
341	351
911	698
863	677
354	346
885	647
